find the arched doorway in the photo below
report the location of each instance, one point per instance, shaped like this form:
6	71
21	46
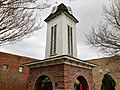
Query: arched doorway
108	83
81	84
43	83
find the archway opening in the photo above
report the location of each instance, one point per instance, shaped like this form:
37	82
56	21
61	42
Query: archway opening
81	84
43	83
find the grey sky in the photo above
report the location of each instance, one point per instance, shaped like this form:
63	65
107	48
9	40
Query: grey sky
88	12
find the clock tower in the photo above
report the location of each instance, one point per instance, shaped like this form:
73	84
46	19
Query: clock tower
61	70
61	32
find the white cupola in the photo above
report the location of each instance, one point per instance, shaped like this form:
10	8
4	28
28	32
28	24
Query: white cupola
61	32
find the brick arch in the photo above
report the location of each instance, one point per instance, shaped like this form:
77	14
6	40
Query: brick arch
44	74
80	75
82	83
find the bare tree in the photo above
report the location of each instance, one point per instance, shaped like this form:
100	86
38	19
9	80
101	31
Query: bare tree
106	36
18	19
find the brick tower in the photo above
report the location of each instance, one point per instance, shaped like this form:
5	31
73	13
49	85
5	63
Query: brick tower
61	69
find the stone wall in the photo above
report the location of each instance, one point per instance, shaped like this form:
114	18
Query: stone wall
110	64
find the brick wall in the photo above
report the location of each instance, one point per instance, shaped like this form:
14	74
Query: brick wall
72	72
63	76
15	80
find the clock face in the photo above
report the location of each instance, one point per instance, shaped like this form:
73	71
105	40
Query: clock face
69	10
54	9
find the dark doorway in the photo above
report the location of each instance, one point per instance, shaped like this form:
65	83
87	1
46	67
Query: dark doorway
81	84
43	83
108	83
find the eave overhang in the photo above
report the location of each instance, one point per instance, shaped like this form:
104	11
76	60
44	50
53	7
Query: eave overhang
63	59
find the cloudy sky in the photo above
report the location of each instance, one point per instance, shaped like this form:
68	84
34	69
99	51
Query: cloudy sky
88	12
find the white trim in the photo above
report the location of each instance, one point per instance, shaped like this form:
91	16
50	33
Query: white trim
60	60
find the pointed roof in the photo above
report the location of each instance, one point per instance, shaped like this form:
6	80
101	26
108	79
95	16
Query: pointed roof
61	9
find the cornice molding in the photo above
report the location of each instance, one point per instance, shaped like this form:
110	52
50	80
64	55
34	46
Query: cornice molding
63	59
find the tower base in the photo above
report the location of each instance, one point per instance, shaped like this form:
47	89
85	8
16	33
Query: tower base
60	73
